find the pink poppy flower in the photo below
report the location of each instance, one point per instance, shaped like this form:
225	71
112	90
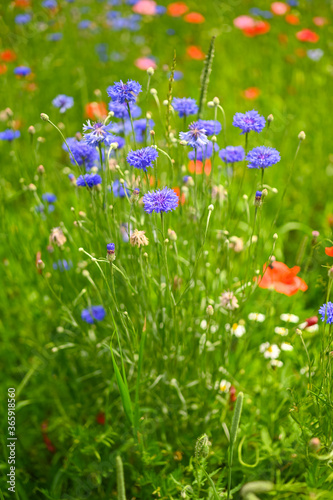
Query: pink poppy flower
145	7
279	8
144	63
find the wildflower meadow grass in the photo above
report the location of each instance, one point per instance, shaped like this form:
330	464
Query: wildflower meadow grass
167	251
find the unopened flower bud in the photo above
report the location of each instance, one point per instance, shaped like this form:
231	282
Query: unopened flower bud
135	195
210	310
41	169
275	236
330	273
31	130
216	101
172	235
264	192
153	91
301	136
111	256
314	444
150	71
258	199
44	117
40	265
211	208
270	118
183	143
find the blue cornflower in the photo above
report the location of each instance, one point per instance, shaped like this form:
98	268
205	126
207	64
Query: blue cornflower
121	111
292	3
9	135
63	102
110	247
262	157
178	75
84	24
120	141
258	195
22	71
212	127
142	158
315	54
124	92
83	153
195	137
160	10
50	4
120	190
49	197
232	154
89	180
55	37
326	310
94	133
161	200
22	19
93	313
184	106
249	121
203	153
140	127
62	265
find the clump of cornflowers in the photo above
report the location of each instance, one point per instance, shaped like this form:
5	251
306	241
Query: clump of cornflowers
9	135
22	19
111	252
124	92
232	154
249	121
262	157
120	110
63	102
229	301
82	153
120	189
97	133
142	158
140	128
161	200
138	239
93	313
185	106
203	153
195	137
212	127
89	180
326	312
22	71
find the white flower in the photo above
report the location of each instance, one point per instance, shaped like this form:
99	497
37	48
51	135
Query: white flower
311	328
238	329
280	330
224	385
203	324
285	346
289	318
257	317
269	351
276	362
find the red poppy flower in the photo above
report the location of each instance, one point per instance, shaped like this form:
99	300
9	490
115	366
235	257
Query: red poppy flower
259	28
23	4
251	93
8	55
195	52
3	69
329	251
277	276
311	321
194	18
100	418
292	19
199	167
307	35
280	8
96	111
181	196
177	9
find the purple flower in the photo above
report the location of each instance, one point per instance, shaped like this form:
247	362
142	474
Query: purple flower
184	106
204	152
195	137
55	37
251	120
120	190
262	157
62	265
140	127
162	200
120	110
95	133
212	127
22	19
22	71
89	180
232	154
50	4
326	312
9	135
110	247
83	153
63	102
142	158
124	92
93	313
49	197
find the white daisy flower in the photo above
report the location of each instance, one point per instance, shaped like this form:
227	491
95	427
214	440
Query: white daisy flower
276	362
257	317
224	385
285	346
280	330
238	329
269	351
289	318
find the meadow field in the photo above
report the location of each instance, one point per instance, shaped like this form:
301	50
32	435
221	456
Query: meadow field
166	249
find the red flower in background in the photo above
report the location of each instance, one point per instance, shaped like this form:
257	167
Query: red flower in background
292	19
251	93
177	9
329	251
181	196
280	8
307	35
195	52
22	3
277	276
194	18
8	55
96	110
259	28
199	167
3	69
100	418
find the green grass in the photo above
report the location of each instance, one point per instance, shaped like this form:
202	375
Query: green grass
153	367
